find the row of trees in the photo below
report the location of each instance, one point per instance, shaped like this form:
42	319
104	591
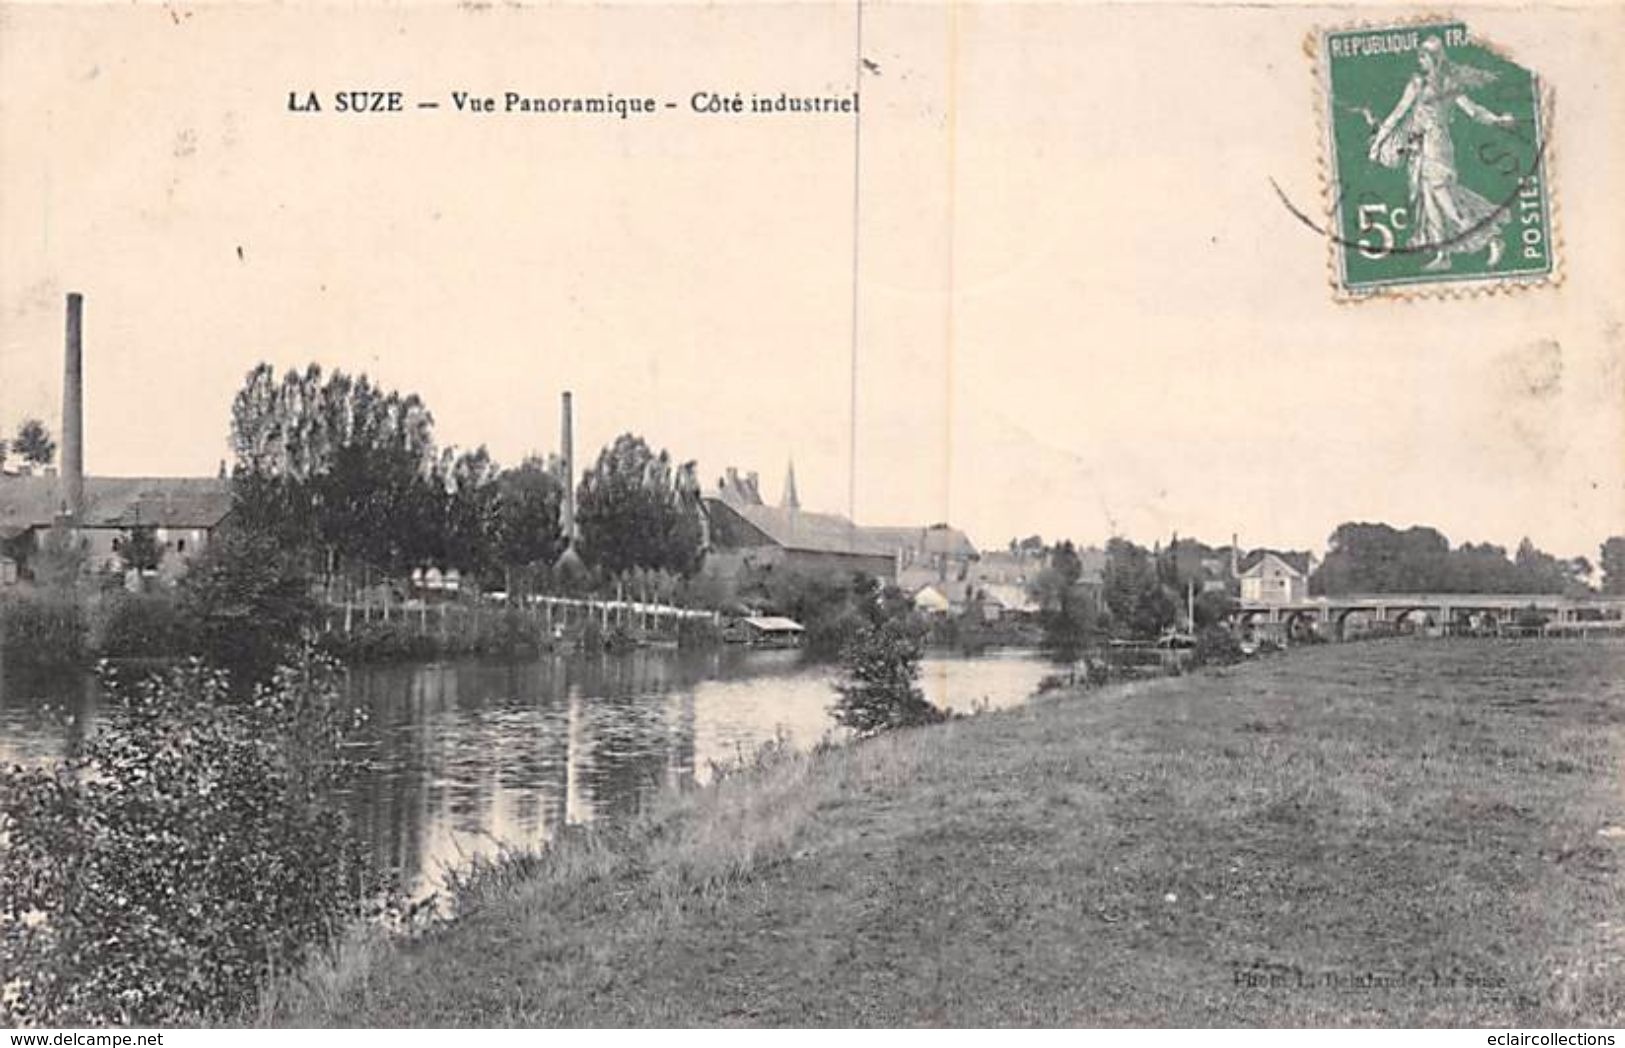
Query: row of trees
1377	558
1140	593
349	473
1613	566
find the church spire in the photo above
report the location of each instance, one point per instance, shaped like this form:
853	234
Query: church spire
790	500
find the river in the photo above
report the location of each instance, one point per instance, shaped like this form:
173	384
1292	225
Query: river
468	755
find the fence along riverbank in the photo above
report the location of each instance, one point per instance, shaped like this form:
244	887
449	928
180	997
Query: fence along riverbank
544	620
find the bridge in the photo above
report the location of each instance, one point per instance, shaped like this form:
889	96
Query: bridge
1449	613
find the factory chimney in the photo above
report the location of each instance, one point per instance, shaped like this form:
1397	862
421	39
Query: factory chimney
73	413
567	506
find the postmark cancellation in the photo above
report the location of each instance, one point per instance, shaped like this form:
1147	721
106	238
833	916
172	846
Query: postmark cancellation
1437	160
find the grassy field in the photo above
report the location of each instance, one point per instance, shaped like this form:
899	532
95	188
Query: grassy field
1391	833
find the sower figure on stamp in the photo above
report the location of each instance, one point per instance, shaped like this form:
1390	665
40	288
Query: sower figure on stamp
1448	218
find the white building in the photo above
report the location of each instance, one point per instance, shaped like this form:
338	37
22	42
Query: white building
1275	578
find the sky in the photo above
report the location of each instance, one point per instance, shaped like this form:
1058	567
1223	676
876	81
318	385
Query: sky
1081	309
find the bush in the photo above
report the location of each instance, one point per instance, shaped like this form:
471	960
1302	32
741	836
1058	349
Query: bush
163	872
695	632
880	667
1217	646
832	610
620	639
58	559
380	641
466	630
42	630
828	635
1056	682
151	625
250	600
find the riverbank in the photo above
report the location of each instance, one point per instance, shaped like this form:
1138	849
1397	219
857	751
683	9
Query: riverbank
1390	833
62	630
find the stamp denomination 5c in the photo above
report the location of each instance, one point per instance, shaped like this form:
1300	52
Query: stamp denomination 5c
1437	162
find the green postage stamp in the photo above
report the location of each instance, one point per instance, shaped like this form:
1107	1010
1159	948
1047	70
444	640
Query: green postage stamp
1437	163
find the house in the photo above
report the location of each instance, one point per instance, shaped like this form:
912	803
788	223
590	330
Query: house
992	601
933	553
743	535
1000	599
182	512
933	601
1272	577
948	598
1019	567
1012	567
101	513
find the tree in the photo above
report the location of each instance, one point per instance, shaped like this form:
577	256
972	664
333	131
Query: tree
1612	559
826	605
33	442
1375	558
1133	591
140	550
472	509
59	558
5	446
1066	609
879	689
340	469
1482	568
636	511
1213	607
528	535
1540	572
250	599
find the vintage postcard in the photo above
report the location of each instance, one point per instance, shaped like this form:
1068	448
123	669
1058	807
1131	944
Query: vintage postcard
820	514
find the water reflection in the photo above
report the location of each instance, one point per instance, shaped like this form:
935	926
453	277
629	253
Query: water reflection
469	754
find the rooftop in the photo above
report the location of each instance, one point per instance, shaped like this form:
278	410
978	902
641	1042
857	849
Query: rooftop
934	539
801	529
1299	561
116	502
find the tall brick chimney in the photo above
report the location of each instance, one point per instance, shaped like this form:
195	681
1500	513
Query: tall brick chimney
73	412
567	451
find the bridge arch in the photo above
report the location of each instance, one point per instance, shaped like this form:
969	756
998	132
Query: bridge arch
1301	625
1340	620
1481	622
1412	618
1246	618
